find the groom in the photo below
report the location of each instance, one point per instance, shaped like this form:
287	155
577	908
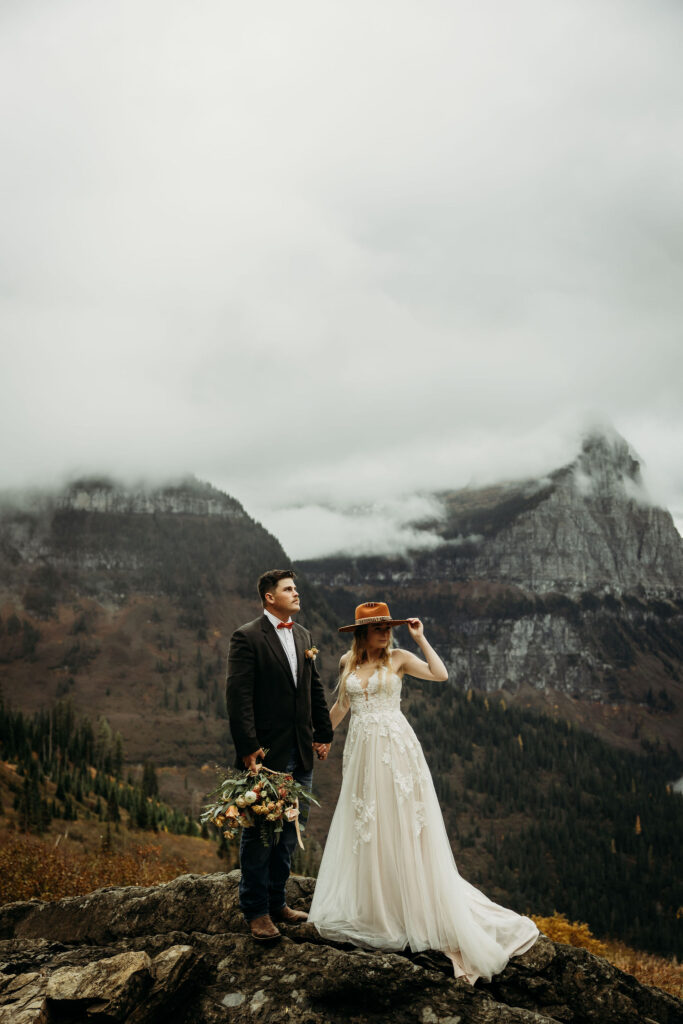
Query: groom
275	701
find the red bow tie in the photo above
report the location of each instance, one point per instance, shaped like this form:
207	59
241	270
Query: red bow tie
285	625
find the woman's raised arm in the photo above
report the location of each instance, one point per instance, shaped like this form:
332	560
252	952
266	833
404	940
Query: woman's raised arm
432	668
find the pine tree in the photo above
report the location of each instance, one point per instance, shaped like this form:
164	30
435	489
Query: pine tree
113	806
150	785
118	756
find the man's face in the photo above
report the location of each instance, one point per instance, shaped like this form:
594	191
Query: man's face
284	600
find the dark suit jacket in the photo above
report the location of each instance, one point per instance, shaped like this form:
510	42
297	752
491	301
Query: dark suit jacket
265	708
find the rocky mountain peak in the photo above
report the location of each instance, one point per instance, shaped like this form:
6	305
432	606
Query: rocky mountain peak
606	466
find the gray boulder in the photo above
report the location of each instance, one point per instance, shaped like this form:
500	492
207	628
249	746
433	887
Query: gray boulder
181	953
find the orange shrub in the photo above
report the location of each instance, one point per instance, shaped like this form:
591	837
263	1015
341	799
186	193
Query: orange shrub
646	967
572	933
31	869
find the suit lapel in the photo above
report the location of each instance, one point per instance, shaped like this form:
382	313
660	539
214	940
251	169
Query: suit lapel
299	647
276	647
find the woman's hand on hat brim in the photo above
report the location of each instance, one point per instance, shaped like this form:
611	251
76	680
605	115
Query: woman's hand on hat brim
415	628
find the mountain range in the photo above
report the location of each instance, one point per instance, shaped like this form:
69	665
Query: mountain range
564	591
561	595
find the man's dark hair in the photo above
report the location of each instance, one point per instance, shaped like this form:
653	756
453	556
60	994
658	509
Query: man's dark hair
269	581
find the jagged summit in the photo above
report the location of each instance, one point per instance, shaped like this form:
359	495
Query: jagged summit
600	446
588	525
607	466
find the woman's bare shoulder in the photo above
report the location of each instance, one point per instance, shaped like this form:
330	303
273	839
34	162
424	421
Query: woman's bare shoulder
397	657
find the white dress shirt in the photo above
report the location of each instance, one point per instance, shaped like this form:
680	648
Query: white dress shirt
286	638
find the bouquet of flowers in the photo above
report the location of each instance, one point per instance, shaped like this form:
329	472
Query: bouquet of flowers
262	799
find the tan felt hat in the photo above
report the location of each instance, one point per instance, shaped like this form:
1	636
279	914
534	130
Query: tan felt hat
373	613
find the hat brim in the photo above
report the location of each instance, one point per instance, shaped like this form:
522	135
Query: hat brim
373	622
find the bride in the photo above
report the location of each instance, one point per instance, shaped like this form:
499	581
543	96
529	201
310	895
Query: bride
388	878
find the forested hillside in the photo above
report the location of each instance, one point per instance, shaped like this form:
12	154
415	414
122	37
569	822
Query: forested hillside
72	819
548	818
86	772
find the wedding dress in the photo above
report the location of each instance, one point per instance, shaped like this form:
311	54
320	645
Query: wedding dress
388	878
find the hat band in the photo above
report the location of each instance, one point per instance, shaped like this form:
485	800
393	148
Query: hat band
374	618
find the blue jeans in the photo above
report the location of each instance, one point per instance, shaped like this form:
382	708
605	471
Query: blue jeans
265	869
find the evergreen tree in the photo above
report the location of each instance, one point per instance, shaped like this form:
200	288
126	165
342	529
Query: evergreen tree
113	805
150	785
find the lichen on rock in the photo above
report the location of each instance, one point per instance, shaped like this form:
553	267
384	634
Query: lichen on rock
181	952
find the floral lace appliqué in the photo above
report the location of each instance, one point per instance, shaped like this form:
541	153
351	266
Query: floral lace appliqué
364	814
376	716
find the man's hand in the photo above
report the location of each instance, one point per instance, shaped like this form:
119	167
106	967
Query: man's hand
250	759
322	750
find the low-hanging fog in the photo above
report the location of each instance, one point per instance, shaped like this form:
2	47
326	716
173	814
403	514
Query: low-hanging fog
335	257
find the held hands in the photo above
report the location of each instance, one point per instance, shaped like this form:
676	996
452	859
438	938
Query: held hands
321	749
416	629
250	759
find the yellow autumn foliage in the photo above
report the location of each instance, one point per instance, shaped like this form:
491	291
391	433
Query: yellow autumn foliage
646	967
572	933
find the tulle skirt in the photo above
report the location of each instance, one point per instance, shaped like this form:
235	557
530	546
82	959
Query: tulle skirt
388	878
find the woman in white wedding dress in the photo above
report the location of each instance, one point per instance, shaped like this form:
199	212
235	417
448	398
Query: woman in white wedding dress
388	878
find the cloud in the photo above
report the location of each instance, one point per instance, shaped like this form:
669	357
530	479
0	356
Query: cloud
324	254
381	528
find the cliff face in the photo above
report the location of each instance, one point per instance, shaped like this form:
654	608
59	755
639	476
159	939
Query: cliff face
94	523
181	952
588	526
591	527
572	583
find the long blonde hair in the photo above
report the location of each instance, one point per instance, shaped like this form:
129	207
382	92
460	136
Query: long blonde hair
357	656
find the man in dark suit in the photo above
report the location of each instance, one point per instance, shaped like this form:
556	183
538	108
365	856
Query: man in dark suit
275	701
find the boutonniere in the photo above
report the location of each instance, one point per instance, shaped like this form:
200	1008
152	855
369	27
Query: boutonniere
311	653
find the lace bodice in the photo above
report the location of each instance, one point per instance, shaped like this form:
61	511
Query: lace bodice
381	737
382	695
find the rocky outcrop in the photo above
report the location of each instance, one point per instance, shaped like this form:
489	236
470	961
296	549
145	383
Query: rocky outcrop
181	953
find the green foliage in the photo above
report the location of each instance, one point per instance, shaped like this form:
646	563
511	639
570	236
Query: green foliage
150	786
85	769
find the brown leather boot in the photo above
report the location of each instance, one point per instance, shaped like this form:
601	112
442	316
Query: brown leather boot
289	916
263	930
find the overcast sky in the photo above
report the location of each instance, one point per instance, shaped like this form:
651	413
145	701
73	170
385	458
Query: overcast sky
336	254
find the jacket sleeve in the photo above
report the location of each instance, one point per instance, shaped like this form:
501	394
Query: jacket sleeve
239	694
322	726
